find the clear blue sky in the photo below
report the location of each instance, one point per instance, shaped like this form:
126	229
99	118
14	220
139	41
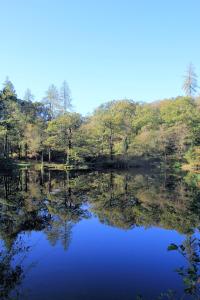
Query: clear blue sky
105	49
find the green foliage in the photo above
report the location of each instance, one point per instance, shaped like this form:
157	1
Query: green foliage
117	131
179	110
172	247
61	135
190	250
193	157
146	116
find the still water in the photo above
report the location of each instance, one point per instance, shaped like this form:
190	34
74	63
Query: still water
99	235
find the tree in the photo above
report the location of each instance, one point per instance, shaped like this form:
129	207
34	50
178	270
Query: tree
33	140
110	127
178	110
61	134
65	96
117	130
11	119
103	127
28	96
124	113
8	87
146	116
52	99
190	82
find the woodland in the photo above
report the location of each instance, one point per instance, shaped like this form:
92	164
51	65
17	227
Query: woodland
120	133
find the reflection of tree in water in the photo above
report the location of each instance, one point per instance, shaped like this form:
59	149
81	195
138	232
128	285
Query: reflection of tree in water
161	200
112	200
65	200
123	199
18	211
190	250
34	201
40	201
59	230
168	295
11	270
190	273
55	201
126	200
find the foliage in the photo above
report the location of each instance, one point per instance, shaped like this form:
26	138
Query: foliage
190	250
117	131
193	157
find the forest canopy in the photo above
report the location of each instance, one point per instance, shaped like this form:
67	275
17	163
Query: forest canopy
119	130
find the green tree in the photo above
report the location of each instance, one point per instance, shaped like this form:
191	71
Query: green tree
111	127
8	88
61	134
33	140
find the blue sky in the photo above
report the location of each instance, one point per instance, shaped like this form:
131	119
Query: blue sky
105	49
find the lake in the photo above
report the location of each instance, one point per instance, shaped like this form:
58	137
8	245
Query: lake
99	235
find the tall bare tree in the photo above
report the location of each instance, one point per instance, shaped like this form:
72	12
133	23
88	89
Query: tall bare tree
190	81
52	100
65	96
28	96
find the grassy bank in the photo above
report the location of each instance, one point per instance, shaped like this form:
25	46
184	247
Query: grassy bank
95	164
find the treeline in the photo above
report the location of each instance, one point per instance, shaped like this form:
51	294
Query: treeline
119	130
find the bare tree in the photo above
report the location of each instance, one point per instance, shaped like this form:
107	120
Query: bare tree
52	100
190	82
65	96
28	96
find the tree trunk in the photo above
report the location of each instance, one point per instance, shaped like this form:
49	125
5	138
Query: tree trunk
6	153
49	183
19	152
111	142
42	160
5	178
49	155
111	147
26	151
26	180
125	145
69	146
111	186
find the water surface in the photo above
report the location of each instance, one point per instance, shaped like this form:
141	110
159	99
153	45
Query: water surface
99	235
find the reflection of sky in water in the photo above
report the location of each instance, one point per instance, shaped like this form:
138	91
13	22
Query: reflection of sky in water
84	258
103	262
